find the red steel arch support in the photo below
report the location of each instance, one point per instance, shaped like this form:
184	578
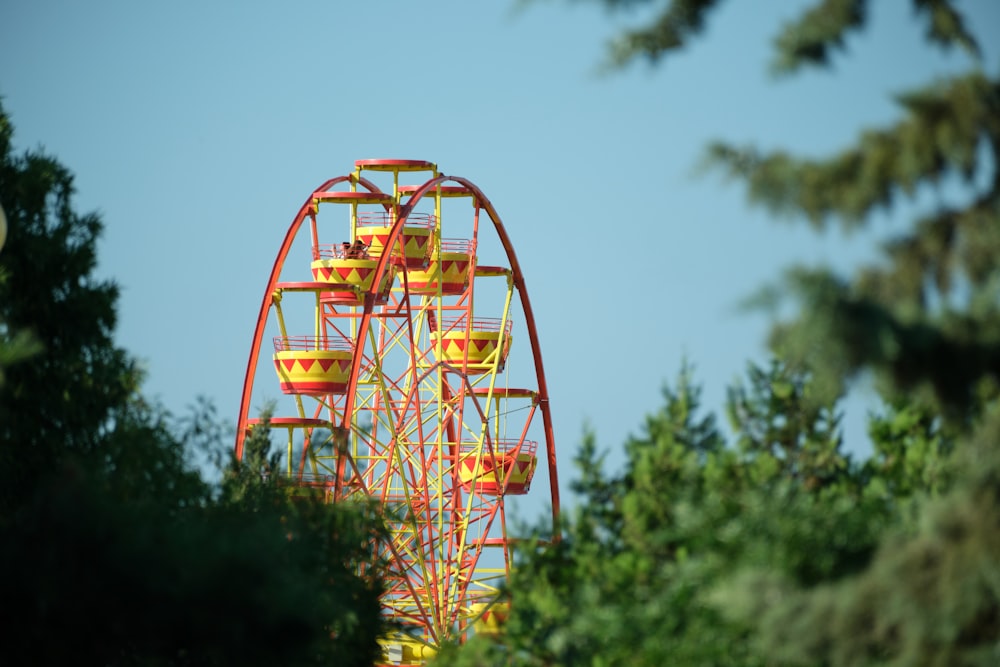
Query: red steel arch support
266	302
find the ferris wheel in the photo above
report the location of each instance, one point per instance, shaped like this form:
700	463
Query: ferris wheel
406	368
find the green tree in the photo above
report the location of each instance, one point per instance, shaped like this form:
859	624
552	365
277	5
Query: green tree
925	319
115	550
792	432
912	452
640	575
930	596
65	397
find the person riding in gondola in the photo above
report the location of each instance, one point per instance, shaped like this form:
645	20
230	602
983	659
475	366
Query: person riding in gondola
358	250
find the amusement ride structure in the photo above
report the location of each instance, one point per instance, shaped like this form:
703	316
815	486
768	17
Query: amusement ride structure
406	369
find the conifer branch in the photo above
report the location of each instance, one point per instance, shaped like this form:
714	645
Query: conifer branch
820	30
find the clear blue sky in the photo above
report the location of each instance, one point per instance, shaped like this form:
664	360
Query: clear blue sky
198	128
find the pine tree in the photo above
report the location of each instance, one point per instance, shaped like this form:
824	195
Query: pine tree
926	320
641	574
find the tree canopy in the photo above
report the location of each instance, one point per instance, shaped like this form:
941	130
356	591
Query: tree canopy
776	548
116	551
